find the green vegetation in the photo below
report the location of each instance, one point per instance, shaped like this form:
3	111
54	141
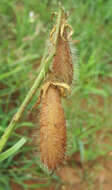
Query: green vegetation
88	109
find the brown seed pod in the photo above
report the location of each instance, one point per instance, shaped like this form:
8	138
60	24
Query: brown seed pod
62	63
52	129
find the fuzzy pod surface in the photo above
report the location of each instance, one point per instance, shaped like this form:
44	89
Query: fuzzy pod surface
62	63
52	129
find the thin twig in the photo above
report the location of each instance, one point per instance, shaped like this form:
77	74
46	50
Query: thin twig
45	66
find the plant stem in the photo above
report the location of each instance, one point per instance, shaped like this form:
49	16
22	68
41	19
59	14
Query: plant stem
45	66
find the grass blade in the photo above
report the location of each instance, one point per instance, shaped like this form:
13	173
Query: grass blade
13	149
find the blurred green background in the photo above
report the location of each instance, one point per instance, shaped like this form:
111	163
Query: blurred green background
24	28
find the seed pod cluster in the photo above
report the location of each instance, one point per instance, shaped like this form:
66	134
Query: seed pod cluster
52	120
53	129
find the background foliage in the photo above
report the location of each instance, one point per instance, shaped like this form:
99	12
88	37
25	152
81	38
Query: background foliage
88	109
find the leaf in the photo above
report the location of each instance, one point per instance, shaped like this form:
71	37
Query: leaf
7	74
13	149
100	92
81	149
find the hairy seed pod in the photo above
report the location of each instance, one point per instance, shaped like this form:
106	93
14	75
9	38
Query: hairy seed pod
52	129
62	63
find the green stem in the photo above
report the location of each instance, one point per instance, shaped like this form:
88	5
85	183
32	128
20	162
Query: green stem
45	66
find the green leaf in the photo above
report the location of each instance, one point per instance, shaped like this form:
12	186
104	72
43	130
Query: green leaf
13	149
14	71
81	149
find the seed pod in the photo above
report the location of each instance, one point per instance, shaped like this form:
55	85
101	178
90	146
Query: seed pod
52	129
62	63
